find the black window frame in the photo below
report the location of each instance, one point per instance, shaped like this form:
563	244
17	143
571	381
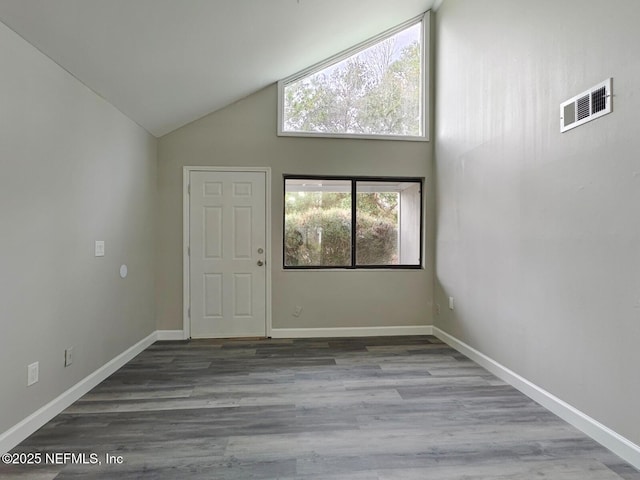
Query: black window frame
354	180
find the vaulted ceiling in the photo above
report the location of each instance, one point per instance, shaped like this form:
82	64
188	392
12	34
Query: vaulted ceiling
165	63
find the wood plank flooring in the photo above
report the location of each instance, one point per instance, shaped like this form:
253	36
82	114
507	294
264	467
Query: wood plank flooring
313	409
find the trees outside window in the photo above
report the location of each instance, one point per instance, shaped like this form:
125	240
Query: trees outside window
376	91
324	227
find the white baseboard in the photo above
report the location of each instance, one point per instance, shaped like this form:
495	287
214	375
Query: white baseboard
33	422
350	331
621	446
170	335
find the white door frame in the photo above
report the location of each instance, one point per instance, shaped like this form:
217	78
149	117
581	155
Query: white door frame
186	223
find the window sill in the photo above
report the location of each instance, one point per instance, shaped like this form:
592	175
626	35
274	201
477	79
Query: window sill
349	269
354	136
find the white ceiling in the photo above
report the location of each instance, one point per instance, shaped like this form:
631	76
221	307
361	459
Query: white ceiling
165	63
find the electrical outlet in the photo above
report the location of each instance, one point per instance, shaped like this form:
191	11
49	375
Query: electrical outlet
450	303
437	309
297	311
68	356
32	373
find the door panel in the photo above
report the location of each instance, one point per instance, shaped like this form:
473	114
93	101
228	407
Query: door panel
242	232
212	230
227	244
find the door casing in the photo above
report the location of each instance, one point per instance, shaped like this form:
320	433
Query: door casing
186	223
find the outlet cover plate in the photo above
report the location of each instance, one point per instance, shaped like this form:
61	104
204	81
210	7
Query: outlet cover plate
68	356
32	373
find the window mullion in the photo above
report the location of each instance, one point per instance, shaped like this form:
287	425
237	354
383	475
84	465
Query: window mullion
354	204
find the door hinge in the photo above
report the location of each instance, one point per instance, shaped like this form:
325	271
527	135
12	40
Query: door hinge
188	251
189	312
189	188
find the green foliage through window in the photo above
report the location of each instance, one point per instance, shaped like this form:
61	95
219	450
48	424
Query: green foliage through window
319	222
377	91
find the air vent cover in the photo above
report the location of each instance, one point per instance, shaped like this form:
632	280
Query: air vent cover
586	106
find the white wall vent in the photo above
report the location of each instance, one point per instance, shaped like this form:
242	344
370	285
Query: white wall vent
586	106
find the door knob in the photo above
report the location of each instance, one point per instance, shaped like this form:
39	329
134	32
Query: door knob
260	263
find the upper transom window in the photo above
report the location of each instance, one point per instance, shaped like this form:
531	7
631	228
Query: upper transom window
374	90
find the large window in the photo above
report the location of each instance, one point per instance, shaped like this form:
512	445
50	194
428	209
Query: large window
356	222
376	89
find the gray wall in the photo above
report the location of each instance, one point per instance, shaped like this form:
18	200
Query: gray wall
538	232
72	170
244	134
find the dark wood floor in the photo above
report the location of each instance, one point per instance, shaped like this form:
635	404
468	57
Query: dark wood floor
367	408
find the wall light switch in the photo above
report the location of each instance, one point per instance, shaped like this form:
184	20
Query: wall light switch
451	303
99	248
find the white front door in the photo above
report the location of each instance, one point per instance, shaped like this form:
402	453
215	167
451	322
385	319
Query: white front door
227	235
